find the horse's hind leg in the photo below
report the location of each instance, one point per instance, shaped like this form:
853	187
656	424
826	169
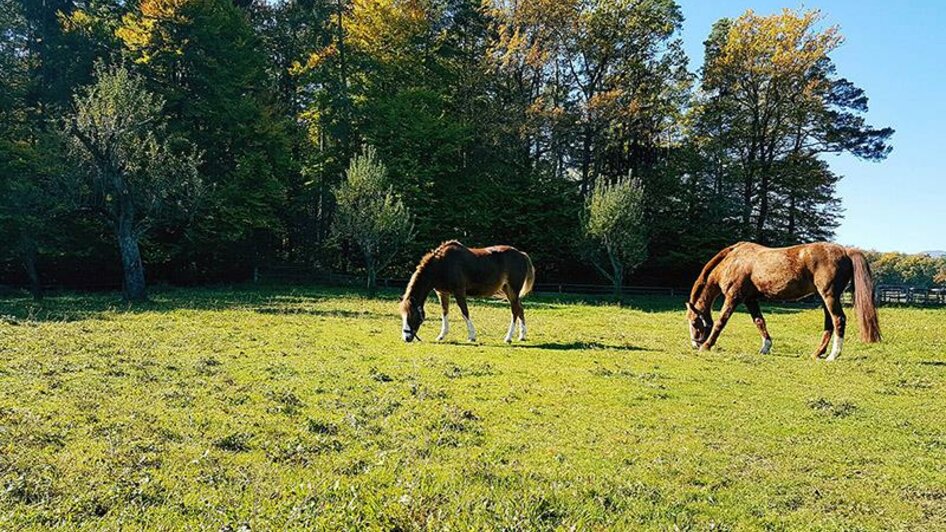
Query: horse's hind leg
826	335
522	319
833	304
444	309
759	321
461	302
517	313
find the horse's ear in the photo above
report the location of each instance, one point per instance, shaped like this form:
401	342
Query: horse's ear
690	306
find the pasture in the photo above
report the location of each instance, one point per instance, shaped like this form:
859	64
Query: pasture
300	407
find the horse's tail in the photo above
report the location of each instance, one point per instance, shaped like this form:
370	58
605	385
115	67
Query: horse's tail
530	278
864	297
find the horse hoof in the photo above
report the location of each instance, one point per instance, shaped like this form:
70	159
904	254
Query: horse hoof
508	340
440	338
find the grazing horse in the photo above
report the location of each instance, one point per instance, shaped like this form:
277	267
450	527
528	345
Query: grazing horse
746	272
455	269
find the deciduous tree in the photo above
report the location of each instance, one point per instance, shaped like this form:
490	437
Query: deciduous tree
614	229
131	173
371	215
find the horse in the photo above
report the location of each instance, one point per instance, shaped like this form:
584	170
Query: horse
453	268
746	272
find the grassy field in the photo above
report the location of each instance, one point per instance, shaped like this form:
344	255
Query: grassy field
289	407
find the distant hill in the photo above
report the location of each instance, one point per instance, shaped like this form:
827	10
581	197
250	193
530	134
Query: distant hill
935	253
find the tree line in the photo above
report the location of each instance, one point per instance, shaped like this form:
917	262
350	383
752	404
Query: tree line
198	140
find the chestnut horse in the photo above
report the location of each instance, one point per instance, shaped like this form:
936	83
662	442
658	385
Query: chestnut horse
453	268
746	272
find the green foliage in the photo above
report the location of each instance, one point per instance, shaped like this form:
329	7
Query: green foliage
614	226
204	59
917	270
370	215
301	408
495	120
126	161
771	104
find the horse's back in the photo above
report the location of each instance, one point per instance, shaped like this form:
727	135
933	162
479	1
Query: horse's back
484	271
788	272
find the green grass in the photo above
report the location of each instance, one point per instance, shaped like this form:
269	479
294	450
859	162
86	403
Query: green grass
288	407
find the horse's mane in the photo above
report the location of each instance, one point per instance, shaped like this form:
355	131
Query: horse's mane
435	253
430	256
702	280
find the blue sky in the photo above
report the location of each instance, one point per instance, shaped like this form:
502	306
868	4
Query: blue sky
896	52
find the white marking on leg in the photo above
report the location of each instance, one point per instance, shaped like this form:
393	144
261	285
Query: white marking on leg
836	350
471	331
522	329
766	346
512	329
444	327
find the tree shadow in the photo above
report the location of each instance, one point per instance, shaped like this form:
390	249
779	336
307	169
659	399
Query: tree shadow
327	313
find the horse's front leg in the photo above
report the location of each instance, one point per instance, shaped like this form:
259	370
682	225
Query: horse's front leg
756	312
444	309
461	302
729	306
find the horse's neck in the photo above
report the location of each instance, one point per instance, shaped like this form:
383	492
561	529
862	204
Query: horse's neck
709	291
420	285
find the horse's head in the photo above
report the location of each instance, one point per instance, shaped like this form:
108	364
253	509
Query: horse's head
412	316
701	323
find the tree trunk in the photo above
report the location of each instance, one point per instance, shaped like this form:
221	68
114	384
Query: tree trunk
791	218
618	276
133	285
747	202
763	206
586	185
29	264
372	275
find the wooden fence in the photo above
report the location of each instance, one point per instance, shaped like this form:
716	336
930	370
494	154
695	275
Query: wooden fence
885	294
908	295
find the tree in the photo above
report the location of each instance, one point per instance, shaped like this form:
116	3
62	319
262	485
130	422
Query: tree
132	173
772	104
370	215
614	229
203	58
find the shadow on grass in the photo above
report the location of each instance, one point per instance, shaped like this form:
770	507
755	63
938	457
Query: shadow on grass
267	298
577	346
327	313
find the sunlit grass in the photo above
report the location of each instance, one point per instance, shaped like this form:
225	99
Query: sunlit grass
288	407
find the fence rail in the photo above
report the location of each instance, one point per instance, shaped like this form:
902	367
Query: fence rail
908	295
885	294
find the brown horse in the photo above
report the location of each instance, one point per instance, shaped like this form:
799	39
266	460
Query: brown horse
453	268
746	272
